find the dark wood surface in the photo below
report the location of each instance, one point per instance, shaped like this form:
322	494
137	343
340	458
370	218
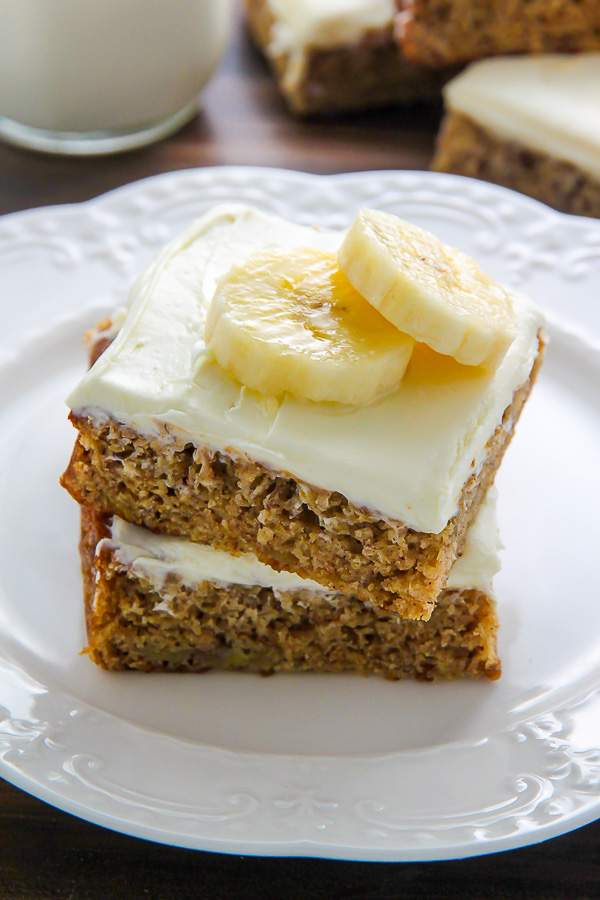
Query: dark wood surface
45	853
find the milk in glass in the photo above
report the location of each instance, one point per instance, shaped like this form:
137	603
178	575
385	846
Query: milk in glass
106	67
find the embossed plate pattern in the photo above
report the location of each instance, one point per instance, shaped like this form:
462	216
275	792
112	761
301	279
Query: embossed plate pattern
305	765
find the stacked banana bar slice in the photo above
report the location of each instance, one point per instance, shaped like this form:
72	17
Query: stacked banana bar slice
284	456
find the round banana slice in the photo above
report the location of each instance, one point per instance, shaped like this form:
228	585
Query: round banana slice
291	321
427	289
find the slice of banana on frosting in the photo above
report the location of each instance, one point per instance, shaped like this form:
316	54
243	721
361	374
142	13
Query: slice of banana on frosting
290	321
427	289
341	327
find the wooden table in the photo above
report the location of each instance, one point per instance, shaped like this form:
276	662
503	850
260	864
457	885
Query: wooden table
47	854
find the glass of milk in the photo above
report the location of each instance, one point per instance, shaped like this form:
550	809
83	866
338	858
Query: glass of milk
99	76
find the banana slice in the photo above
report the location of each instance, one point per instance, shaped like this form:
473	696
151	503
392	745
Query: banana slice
291	321
427	289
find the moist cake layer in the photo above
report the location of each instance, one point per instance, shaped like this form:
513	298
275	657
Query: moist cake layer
405	457
159	558
549	104
148	608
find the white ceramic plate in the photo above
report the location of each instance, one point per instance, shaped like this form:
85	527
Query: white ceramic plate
336	766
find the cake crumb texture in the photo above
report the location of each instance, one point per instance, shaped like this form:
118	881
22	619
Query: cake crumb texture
256	629
449	32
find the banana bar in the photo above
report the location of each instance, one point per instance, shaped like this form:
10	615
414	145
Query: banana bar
370	499
157	603
332	57
449	32
530	124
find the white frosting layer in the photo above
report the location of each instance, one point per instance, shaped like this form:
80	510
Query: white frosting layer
406	456
155	557
480	560
325	23
547	103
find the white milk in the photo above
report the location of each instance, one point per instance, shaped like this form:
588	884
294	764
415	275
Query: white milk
106	65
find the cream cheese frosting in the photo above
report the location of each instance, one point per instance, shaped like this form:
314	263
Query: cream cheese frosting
406	456
325	23
299	25
156	558
548	103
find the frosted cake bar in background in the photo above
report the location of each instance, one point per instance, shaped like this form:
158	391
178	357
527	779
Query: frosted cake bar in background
528	123
337	55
